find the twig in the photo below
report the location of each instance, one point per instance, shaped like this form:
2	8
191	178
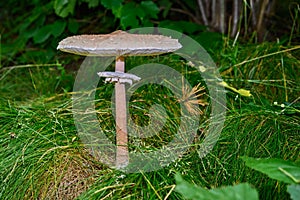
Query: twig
235	17
207	8
222	15
203	14
253	13
214	12
260	19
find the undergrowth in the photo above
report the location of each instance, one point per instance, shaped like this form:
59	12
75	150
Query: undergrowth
42	156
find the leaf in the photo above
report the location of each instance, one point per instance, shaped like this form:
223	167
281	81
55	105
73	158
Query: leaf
129	14
117	11
42	34
150	8
190	191
36	16
166	5
11	48
237	192
132	9
294	191
129	21
58	28
64	7
277	169
209	40
29	20
55	29
92	3
111	4
73	26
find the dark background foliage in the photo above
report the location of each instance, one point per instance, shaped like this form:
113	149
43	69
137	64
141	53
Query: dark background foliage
31	30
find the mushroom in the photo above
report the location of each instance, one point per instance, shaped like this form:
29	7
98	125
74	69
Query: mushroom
119	44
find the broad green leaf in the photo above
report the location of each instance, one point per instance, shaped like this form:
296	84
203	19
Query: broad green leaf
117	11
294	191
190	191
132	9
111	4
147	23
92	3
42	34
64	7
237	192
58	28
55	29
278	169
10	49
36	16
129	21
29	20
166	5
150	8
129	14
73	26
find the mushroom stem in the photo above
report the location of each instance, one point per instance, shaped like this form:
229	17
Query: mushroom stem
122	156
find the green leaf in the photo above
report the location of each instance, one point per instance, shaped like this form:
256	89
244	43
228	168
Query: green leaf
29	20
92	3
55	29
42	34
129	21
64	7
117	11
166	5
294	191
132	9
111	4
73	26
209	40
150	8
11	48
278	169
237	192
58	28
129	13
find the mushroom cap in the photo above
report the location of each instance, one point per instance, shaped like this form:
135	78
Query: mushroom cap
118	43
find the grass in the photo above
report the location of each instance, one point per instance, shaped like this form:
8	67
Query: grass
42	156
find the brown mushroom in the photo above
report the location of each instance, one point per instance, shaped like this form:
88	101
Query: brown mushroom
119	44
